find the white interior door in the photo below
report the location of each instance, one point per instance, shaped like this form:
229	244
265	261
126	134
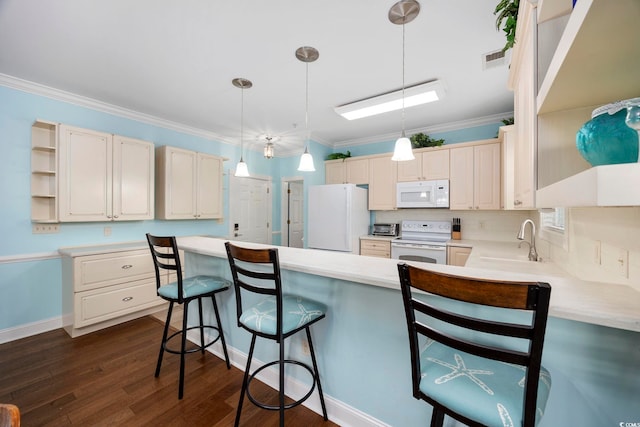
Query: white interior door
295	220
250	209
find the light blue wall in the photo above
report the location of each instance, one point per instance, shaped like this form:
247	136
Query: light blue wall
32	290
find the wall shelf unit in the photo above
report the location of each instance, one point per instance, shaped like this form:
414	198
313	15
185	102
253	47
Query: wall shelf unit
44	176
595	61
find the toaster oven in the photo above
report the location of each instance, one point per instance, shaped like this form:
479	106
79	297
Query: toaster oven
385	229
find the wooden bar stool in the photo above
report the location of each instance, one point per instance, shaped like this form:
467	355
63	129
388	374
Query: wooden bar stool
276	316
164	251
9	415
480	371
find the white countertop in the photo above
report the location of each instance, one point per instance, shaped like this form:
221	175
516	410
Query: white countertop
598	303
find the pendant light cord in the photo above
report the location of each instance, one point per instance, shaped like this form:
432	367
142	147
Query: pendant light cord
403	19
242	123
306	106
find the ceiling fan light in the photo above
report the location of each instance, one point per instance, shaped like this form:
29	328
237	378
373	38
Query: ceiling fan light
306	162
268	150
402	151
241	169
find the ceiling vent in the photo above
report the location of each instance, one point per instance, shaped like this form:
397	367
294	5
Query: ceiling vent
493	59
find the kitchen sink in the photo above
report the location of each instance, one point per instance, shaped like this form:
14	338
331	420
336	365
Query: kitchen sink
518	259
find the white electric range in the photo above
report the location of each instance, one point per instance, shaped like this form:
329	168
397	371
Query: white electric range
424	241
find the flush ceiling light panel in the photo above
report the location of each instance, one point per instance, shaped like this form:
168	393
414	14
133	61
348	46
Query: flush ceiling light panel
414	95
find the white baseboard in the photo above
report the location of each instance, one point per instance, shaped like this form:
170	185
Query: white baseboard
337	411
29	329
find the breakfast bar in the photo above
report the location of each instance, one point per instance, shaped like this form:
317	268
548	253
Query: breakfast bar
592	346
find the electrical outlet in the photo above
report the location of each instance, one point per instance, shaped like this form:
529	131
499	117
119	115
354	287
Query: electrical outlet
45	228
615	260
597	250
305	347
107	231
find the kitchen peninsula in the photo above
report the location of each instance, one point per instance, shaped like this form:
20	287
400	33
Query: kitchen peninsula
592	343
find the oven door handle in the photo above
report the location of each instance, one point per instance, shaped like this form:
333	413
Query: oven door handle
418	246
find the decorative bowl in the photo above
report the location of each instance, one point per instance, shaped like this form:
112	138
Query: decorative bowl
606	139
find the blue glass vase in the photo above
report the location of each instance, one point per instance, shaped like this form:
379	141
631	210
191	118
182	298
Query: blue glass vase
607	140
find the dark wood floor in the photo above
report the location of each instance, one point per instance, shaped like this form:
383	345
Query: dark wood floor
106	378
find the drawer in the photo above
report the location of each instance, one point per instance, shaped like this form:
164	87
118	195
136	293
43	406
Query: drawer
375	245
96	271
381	253
107	303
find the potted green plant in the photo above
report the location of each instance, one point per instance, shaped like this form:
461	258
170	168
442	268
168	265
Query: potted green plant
335	156
507	17
420	140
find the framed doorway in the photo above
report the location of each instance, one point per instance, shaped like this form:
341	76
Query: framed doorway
292	208
250	212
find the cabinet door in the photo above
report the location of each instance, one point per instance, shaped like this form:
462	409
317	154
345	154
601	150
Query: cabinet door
461	178
410	170
457	255
85	182
382	183
435	164
209	187
133	171
335	172
357	171
486	173
179	169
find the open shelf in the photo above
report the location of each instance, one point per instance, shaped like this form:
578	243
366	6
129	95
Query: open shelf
608	185
597	60
44	166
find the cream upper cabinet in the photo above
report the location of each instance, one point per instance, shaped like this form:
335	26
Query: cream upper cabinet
382	183
427	165
335	172
357	171
347	171
104	178
522	81
475	177
189	184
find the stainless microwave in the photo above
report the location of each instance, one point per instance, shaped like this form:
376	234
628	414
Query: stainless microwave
423	194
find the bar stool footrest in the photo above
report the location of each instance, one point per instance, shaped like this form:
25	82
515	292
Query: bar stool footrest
290	405
191	350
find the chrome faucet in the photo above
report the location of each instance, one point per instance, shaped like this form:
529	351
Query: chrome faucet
533	254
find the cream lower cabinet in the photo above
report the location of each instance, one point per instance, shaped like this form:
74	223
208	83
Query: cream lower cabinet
104	177
382	183
189	184
458	255
475	173
375	247
101	289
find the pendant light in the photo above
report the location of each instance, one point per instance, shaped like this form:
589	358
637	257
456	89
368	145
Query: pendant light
307	54
402	13
268	147
241	169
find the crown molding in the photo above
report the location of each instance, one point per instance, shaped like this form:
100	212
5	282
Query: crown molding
93	104
445	127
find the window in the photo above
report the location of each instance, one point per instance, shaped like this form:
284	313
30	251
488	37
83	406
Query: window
553	227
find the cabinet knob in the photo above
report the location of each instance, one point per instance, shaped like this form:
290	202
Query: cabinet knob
126	266
115	216
470	207
125	299
517	202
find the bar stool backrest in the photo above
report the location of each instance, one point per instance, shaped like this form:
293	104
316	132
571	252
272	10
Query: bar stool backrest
164	251
452	310
256	271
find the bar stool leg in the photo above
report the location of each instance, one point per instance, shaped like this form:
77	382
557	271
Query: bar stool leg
201	326
281	393
222	341
245	380
316	372
437	418
164	339
183	348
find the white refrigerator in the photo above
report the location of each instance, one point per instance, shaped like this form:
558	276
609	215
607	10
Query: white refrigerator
337	217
